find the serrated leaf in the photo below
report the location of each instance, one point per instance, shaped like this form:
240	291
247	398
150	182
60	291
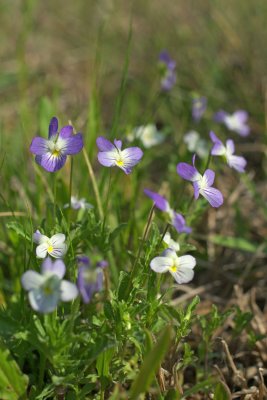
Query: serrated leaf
151	364
18	228
13	383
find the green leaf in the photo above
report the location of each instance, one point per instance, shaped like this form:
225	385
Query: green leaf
13	383
19	229
151	364
103	361
222	392
236	243
123	285
117	231
172	395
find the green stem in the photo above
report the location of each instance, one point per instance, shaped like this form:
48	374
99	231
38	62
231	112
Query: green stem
70	187
55	195
41	371
95	188
133	271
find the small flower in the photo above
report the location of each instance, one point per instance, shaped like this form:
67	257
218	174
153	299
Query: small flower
219	149
111	155
236	122
52	153
202	183
54	246
195	144
167	69
90	280
177	220
199	106
181	268
170	242
48	288
77	204
147	134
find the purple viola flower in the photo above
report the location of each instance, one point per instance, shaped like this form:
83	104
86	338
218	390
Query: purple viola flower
52	153
111	155
168	71
236	122
202	183
219	149
177	220
90	279
199	106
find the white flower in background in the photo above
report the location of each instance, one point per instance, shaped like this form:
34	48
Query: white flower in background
54	246
147	134
170	242
181	268
77	204
48	288
195	144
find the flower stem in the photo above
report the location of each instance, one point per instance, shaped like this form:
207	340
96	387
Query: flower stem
95	188
133	271
41	370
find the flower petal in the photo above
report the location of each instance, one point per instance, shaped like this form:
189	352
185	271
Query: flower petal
214	196
118	143
131	156
160	202
187	261
237	162
108	158
56	268
187	172
53	127
31	280
39	146
220	116
50	162
66	132
180	224
161	264
41	250
183	275
68	291
39	238
218	149
196	189
42	303
59	250
58	238
230	146
73	144
209	177
104	144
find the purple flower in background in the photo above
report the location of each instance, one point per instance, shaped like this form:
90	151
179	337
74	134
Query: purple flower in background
236	122
177	220
199	106
167	69
111	155
52	153
202	183
48	288
219	149
90	280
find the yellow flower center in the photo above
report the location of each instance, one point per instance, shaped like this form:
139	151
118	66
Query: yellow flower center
173	268
56	153
120	162
47	290
50	248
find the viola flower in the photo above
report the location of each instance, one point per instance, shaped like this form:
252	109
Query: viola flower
167	70
52	153
167	239
195	144
147	134
111	155
202	183
219	149
90	280
199	106
77	204
54	246
181	268
236	122
177	220
47	289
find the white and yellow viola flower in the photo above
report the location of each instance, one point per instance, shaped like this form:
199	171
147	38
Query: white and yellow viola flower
181	268
54	246
147	134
